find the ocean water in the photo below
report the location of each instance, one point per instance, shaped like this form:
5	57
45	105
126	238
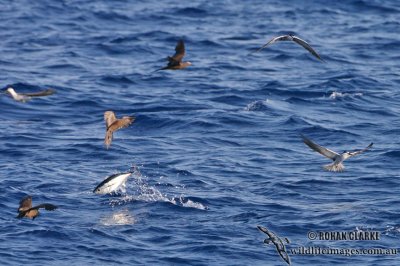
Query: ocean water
217	145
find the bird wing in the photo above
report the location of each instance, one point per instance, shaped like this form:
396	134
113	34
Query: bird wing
117	124
179	53
283	254
354	153
273	40
46	206
40	93
306	46
266	231
322	150
109	117
25	203
121	123
280	247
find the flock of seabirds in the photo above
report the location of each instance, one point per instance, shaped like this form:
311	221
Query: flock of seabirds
117	182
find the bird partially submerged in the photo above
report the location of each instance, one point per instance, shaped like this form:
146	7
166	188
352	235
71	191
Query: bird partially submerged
24	97
337	165
175	61
113	124
295	39
26	210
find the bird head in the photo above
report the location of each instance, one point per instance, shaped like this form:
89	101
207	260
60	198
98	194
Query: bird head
346	154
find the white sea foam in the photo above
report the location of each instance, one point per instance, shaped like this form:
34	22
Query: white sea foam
122	217
191	204
392	229
257	106
148	193
335	95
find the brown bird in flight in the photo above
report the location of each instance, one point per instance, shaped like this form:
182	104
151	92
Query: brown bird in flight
113	124
175	61
295	39
26	210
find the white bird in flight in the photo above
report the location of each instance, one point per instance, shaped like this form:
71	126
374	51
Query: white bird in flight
295	39
337	165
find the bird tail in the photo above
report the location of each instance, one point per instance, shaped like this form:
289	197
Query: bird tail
163	68
108	138
254	51
334	167
21	214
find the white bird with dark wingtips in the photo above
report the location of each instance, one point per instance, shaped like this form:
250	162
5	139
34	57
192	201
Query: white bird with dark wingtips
24	97
295	39
337	165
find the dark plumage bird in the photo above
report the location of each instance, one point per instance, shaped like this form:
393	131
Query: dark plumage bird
26	210
277	241
294	39
175	61
337	165
113	124
24	97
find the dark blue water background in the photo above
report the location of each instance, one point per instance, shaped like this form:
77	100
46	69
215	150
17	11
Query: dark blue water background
217	144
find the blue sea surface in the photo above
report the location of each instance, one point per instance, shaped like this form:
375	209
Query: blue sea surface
217	145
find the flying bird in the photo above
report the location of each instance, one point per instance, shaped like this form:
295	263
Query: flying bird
26	210
277	241
295	39
337	165
24	97
113	124
175	61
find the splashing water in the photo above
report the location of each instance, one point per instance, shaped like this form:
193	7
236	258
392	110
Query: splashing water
147	193
335	95
121	217
257	106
